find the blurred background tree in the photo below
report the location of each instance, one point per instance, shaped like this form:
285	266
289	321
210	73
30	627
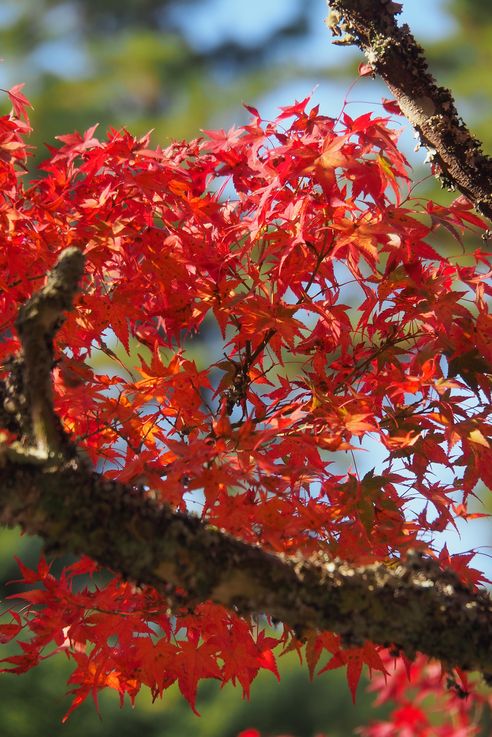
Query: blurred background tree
178	66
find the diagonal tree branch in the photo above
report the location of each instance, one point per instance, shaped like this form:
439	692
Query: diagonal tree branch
413	606
393	53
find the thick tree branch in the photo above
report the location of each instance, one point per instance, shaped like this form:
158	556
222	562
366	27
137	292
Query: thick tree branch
413	606
394	54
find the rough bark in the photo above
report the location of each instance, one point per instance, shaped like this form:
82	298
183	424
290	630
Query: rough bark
48	489
393	53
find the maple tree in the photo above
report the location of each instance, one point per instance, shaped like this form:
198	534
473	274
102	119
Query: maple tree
344	325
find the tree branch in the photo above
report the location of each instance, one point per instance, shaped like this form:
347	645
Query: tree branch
413	606
394	54
38	320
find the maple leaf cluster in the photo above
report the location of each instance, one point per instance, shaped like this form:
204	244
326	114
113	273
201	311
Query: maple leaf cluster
342	328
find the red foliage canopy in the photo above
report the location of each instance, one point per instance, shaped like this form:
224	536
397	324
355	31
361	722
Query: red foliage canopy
341	329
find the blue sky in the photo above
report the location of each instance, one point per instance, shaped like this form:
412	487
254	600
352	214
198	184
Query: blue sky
250	21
